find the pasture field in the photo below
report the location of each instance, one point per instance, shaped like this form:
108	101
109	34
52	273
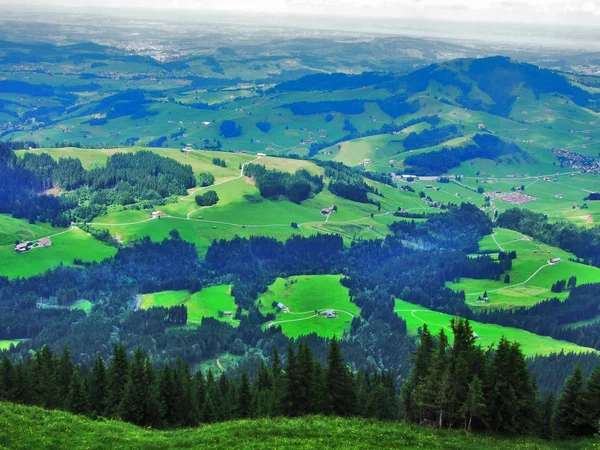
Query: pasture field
12	230
489	334
204	303
307	296
531	276
6	343
83	305
28	427
73	243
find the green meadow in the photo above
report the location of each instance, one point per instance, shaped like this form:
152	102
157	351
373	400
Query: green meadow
306	297
531	276
204	303
29	427
6	343
489	334
73	243
12	230
83	305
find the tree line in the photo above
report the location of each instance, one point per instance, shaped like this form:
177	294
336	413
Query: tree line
296	187
459	384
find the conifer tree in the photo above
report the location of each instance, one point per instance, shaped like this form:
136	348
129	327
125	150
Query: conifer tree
77	400
65	372
7	378
98	386
208	414
132	407
474	405
340	382
569	414
244	397
410	389
118	374
45	379
167	396
590	403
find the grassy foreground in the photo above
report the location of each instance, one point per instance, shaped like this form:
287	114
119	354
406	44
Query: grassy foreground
24	427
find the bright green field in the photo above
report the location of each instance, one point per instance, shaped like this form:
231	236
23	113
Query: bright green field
531	344
205	303
28	427
6	343
531	277
65	247
84	305
304	295
12	229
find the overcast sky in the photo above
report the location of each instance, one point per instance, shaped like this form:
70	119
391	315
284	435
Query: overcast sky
523	11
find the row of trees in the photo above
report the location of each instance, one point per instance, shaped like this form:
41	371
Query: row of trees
296	187
132	389
440	162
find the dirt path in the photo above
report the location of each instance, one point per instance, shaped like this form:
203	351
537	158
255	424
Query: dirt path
51	236
275	322
512	285
219	363
138	302
220	183
494	238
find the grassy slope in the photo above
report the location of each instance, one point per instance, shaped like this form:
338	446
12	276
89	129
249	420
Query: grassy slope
6	343
305	294
531	344
23	427
65	247
531	256
205	303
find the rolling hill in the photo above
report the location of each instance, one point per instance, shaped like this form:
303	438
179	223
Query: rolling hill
23	427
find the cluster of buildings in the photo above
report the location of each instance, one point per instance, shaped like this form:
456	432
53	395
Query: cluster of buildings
574	160
24	247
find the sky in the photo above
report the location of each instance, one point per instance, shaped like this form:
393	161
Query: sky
586	12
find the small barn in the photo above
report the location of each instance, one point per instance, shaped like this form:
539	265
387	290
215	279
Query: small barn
23	247
282	307
227	313
44	242
330	314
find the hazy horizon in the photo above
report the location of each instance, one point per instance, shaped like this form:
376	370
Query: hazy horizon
524	12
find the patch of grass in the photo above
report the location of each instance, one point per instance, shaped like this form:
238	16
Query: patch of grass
204	303
6	343
12	229
489	334
531	277
83	305
307	296
75	243
28	427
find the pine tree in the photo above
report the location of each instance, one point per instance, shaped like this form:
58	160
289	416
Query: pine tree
244	397
77	399
590	403
208	414
65	372
167	396
410	389
569	412
339	382
474	405
46	384
118	374
132	407
7	378
98	384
